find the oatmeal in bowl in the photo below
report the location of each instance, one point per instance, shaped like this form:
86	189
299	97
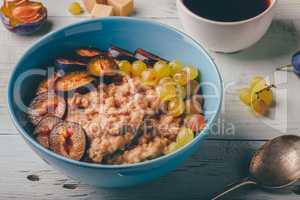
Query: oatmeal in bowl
116	107
69	100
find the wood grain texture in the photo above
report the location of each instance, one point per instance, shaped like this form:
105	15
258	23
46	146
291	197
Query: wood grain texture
286	9
216	164
221	159
236	120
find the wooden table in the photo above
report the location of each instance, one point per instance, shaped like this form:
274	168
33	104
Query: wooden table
223	156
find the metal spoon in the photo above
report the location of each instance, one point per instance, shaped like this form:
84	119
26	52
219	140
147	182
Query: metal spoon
274	165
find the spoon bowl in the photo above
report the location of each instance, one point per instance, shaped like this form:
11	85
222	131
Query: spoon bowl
275	165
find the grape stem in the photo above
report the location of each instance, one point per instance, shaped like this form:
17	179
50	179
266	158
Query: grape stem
285	67
266	88
5	3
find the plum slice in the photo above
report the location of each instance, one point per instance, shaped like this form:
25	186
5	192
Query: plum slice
102	66
68	65
68	139
147	57
89	52
80	82
23	16
46	104
47	84
43	129
120	54
86	54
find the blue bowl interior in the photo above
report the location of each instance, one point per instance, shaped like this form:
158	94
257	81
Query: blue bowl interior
126	33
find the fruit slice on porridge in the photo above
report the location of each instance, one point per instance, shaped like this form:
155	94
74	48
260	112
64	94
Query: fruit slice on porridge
68	139
67	65
147	57
118	107
46	104
80	82
121	54
102	66
43	129
48	85
88	53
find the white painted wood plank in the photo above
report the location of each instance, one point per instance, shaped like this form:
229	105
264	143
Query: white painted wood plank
275	49
262	59
216	164
14	46
143	8
286	9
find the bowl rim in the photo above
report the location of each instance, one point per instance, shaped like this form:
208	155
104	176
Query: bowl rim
33	142
183	7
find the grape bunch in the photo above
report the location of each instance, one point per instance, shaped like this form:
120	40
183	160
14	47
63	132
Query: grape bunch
259	95
171	81
177	87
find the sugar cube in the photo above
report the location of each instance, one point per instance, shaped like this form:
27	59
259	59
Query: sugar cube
101	10
89	4
122	7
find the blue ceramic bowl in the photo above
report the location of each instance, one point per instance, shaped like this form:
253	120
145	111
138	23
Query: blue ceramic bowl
129	34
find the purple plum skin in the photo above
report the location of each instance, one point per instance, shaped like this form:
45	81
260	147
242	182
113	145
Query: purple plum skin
73	65
121	54
24	29
296	63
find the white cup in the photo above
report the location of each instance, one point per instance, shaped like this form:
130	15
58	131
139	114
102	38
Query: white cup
225	37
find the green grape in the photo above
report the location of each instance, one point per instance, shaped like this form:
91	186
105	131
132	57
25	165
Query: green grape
192	72
184	136
138	67
166	92
261	95
255	80
166	80
180	91
162	69
262	91
245	96
192	87
181	78
125	66
175	107
259	106
75	8
171	148
149	77
176	66
267	96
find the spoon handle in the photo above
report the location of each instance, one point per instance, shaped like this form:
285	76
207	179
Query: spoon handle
234	186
